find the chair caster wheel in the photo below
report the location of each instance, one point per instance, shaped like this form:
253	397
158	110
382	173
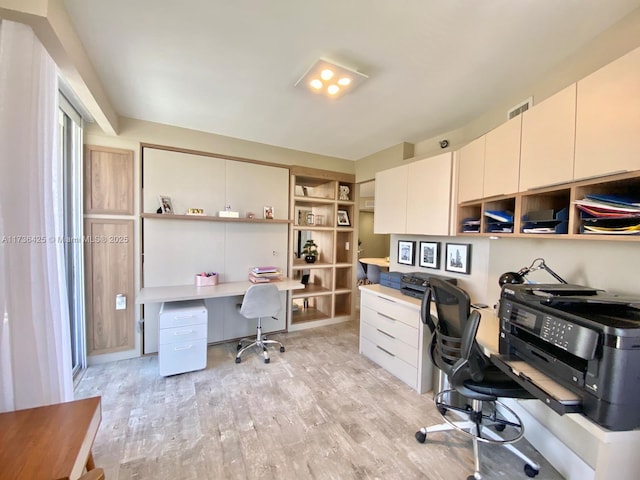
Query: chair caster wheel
267	360
530	471
238	359
442	410
421	436
500	427
472	477
281	349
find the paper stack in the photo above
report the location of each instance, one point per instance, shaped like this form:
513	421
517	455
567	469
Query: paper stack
264	274
609	214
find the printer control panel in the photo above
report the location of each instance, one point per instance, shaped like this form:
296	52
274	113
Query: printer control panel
557	331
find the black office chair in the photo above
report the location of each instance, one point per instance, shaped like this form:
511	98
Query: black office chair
476	383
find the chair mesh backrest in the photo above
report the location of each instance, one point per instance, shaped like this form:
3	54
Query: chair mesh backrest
453	307
261	300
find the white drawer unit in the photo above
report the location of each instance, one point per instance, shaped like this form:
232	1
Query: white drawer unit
182	337
393	336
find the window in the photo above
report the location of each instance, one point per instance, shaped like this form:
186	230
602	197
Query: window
70	133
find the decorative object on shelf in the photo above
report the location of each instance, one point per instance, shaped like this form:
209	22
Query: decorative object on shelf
268	212
251	215
429	254
195	211
406	252
344	192
519	276
310	219
458	258
343	218
165	205
310	251
319	220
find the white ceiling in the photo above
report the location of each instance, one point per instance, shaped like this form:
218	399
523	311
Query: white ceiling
229	67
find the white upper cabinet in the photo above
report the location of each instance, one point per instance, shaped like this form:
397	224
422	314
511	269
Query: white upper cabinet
608	119
415	198
471	170
429	196
548	135
391	200
502	158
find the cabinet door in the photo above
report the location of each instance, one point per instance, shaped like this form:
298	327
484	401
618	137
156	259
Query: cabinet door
471	170
391	201
429	195
548	136
608	119
502	159
250	187
108	180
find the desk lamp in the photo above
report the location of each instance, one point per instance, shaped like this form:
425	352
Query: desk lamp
519	276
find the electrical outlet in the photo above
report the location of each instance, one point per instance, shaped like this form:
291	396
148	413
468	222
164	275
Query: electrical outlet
347	245
121	302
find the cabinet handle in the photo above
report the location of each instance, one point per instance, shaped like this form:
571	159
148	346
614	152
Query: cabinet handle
387	317
385	333
183	332
387	299
385	351
186	347
180	317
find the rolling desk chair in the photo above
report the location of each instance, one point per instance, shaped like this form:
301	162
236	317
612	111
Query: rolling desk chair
455	352
261	300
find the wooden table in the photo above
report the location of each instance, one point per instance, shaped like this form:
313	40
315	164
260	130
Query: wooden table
49	443
378	262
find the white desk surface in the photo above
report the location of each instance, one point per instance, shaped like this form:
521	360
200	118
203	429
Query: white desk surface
380	262
192	292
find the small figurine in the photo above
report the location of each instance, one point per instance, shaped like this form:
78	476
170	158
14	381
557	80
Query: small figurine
344	192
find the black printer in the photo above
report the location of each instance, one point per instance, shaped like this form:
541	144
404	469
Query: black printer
584	339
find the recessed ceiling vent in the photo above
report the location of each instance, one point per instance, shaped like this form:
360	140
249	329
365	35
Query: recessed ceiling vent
520	108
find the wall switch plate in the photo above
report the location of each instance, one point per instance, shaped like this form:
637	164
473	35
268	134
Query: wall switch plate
121	302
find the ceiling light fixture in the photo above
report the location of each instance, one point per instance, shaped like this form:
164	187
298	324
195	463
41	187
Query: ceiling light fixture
331	79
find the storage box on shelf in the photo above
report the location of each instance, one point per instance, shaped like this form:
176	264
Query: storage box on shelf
318	197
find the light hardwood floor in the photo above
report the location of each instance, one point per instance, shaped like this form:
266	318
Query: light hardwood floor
318	411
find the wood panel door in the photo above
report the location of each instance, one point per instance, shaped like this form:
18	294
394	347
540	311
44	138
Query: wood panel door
502	159
109	272
391	201
108	180
471	170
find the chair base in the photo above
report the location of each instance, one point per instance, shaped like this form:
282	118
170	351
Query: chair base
478	425
259	342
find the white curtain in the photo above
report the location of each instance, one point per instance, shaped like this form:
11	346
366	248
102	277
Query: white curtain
35	351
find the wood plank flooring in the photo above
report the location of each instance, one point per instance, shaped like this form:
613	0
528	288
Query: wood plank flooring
318	411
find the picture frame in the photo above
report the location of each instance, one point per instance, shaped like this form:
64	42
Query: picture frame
429	255
343	218
458	258
406	252
166	206
268	212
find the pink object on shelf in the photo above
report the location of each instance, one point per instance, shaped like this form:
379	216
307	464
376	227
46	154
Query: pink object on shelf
206	279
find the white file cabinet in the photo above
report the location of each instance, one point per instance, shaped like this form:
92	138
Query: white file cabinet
393	336
182	342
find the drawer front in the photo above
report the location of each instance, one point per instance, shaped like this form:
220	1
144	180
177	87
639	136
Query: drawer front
176	318
182	357
397	310
186	333
390	326
394	365
390	344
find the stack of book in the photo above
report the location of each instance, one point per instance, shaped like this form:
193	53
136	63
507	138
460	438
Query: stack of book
609	214
264	274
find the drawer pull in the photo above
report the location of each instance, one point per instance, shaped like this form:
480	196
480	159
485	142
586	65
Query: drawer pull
183	332
387	317
387	299
181	317
186	347
385	333
385	351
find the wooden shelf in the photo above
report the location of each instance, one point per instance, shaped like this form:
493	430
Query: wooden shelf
209	218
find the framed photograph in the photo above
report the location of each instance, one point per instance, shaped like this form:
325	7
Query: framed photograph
165	204
429	254
458	258
406	252
343	218
268	212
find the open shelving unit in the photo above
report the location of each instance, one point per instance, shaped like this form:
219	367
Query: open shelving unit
330	281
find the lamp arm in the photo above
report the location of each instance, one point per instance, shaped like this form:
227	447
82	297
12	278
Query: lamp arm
552	273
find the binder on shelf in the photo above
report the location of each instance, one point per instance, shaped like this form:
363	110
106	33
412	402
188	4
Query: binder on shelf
546	221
